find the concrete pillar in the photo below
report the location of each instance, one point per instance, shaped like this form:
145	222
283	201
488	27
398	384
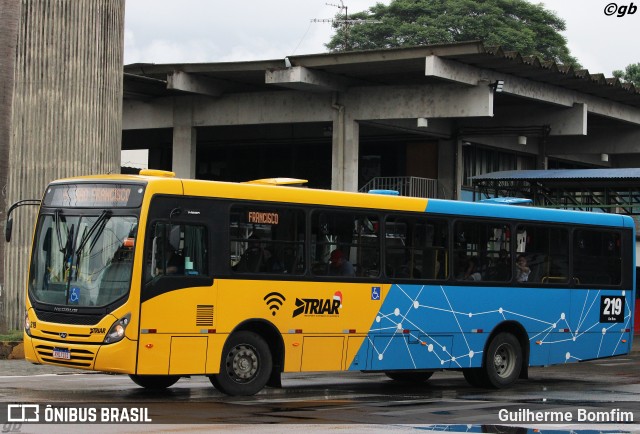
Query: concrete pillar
10	19
542	159
67	112
351	154
447	164
458	170
337	148
184	139
345	149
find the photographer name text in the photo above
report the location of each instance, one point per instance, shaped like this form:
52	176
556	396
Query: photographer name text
579	415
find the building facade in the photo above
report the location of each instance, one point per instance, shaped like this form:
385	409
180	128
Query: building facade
445	113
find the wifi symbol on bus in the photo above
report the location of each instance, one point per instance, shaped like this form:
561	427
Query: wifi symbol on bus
274	301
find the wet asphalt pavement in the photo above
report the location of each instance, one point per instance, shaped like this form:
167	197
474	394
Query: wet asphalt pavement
351	402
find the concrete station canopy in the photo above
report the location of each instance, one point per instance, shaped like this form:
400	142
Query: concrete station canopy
414	109
365	68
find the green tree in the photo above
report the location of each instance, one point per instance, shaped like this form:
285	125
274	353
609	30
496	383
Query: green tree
631	74
515	25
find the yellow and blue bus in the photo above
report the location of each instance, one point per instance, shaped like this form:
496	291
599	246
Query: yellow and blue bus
159	277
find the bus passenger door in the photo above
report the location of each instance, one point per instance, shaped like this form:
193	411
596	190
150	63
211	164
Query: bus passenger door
177	314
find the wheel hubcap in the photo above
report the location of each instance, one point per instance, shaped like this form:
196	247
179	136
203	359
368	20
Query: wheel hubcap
504	360
242	362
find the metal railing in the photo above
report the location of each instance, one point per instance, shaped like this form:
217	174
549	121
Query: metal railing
405	185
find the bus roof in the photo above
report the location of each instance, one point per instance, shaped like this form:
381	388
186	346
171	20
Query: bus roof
309	196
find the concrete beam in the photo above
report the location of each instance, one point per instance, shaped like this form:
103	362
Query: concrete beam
608	141
565	122
364	103
436	127
178	80
305	79
570	121
468	75
263	108
425	101
451	70
138	115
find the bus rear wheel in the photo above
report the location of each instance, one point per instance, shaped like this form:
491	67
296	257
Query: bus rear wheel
245	366
409	377
154	382
475	377
503	361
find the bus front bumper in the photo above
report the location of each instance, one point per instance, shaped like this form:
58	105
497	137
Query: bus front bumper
119	357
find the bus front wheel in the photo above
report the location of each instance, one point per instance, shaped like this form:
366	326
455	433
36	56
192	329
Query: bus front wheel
154	382
245	366
503	361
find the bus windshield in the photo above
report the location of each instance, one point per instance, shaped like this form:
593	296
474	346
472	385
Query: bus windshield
82	260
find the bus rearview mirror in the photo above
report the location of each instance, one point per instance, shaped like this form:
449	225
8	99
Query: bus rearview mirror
7	229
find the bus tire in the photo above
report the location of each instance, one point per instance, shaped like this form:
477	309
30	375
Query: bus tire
409	376
245	366
154	382
503	361
475	377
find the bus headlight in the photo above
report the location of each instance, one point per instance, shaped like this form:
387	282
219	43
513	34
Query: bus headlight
116	332
27	324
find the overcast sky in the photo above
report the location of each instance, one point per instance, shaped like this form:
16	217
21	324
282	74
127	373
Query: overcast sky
170	31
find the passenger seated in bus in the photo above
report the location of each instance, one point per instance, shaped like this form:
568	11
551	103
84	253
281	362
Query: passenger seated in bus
252	260
271	262
339	265
174	263
522	269
173	259
500	270
471	270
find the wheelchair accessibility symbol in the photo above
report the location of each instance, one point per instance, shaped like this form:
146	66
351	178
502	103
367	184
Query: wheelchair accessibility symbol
74	295
375	293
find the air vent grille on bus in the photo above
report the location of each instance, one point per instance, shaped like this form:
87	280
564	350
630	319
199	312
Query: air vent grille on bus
64	318
78	358
204	315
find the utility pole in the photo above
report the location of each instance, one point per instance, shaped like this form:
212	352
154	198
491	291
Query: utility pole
346	22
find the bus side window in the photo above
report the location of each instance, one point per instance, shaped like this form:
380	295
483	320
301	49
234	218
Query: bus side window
416	247
597	257
482	251
546	251
267	240
177	249
345	244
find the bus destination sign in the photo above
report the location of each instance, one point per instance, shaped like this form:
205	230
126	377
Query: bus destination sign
94	195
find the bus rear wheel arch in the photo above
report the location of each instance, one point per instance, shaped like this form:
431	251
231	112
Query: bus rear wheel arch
245	366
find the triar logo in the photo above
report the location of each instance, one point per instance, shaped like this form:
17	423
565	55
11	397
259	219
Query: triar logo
318	306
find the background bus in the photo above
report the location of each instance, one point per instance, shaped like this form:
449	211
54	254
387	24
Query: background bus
159	277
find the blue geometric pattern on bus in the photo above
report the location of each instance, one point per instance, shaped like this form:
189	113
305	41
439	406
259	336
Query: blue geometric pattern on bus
432	327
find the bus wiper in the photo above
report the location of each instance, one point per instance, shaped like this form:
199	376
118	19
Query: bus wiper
96	228
56	218
68	256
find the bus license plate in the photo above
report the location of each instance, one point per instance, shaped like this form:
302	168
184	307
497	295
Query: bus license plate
61	353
